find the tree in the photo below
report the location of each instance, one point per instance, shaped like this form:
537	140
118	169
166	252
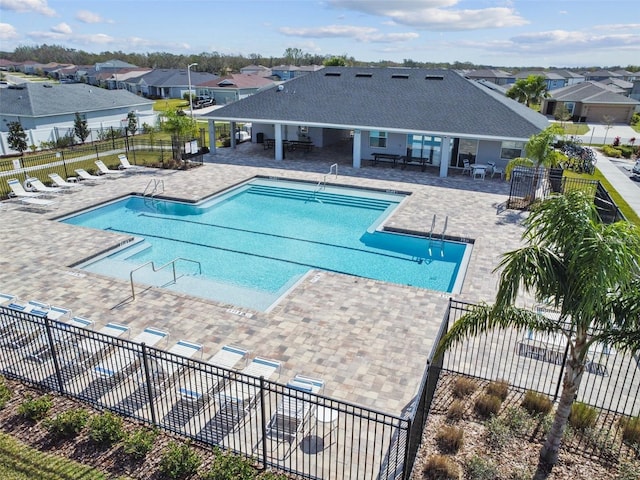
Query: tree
587	271
562	114
81	128
530	90
335	62
132	123
178	124
293	56
17	137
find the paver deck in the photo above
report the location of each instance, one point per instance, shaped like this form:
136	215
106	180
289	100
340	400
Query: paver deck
367	339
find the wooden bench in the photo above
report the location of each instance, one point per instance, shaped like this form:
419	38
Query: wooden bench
385	157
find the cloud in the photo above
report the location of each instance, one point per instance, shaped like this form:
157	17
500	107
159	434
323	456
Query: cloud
436	15
8	32
361	34
28	6
85	16
62	28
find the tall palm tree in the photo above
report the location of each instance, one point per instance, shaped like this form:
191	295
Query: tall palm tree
588	271
530	90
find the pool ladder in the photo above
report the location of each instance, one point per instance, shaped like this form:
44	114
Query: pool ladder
153	188
323	183
440	238
172	263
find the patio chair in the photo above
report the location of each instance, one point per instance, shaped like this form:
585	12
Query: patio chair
104	170
494	169
27	198
62	333
479	172
126	166
64	184
85	176
466	167
91	346
52	312
40	187
6	298
294	409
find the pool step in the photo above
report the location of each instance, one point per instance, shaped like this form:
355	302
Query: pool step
322	196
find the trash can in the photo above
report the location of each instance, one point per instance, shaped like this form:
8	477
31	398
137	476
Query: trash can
260	137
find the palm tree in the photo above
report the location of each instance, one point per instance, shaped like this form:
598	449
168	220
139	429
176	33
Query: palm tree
586	270
530	90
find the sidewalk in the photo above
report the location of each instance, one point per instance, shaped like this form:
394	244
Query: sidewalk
622	183
599	133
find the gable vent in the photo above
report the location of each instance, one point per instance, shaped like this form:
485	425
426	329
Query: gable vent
400	75
364	75
332	74
434	77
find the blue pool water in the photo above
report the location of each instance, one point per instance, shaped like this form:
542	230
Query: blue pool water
254	242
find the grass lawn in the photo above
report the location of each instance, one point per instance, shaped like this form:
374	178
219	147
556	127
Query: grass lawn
575	128
624	207
20	462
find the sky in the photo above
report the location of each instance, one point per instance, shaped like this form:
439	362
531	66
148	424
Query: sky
544	33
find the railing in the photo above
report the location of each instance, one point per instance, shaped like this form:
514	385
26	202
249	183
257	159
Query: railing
158	187
155	270
332	439
323	183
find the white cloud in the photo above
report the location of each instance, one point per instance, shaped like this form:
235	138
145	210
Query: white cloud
361	34
8	32
28	6
438	15
62	28
85	16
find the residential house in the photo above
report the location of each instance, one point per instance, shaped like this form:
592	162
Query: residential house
498	77
552	80
570	78
231	88
7	65
618	85
287	72
591	102
47	111
435	118
628	76
599	75
168	83
258	70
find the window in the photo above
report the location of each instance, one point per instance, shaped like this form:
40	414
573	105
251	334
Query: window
570	106
378	139
511	150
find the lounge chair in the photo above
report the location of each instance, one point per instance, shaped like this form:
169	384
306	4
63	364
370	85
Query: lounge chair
17	190
104	170
64	184
61	334
85	176
294	409
126	166
53	312
91	346
6	298
40	187
243	394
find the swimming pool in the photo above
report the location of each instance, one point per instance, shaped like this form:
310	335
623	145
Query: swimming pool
250	245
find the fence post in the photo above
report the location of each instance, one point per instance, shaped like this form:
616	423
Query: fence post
262	425
406	471
54	356
147	376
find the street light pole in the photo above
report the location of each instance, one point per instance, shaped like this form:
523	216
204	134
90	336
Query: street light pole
189	80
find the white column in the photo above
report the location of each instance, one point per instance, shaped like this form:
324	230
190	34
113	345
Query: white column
212	136
445	157
278	141
357	148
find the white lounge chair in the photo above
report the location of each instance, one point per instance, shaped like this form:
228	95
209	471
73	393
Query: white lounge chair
293	411
91	346
6	298
167	366
17	190
64	184
85	176
243	394
53	312
104	170
40	187
126	166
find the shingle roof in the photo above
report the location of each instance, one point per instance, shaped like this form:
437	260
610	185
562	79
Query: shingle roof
590	92
175	78
39	100
238	80
417	100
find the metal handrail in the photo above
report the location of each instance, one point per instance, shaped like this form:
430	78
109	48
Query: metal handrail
323	183
156	184
155	270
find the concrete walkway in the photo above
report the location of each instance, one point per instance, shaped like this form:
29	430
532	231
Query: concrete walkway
600	133
621	182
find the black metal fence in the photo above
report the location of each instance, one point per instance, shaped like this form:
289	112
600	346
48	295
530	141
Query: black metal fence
611	382
293	430
531	184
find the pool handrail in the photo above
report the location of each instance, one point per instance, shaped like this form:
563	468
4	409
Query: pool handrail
153	267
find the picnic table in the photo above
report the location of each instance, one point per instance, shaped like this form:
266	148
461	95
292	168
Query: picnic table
303	145
387	157
269	143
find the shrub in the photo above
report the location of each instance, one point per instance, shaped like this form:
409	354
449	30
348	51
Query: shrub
450	439
179	461
106	429
463	387
456	410
67	424
5	394
441	467
611	151
140	442
582	416
520	473
498	432
480	469
35	409
230	467
272	476
536	403
517	419
627	471
498	388
631	430
487	405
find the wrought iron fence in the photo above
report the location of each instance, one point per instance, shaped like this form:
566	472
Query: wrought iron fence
611	382
296	430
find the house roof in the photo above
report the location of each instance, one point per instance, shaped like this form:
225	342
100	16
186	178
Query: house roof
540	73
618	82
164	77
569	74
488	73
239	81
391	99
590	92
44	99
